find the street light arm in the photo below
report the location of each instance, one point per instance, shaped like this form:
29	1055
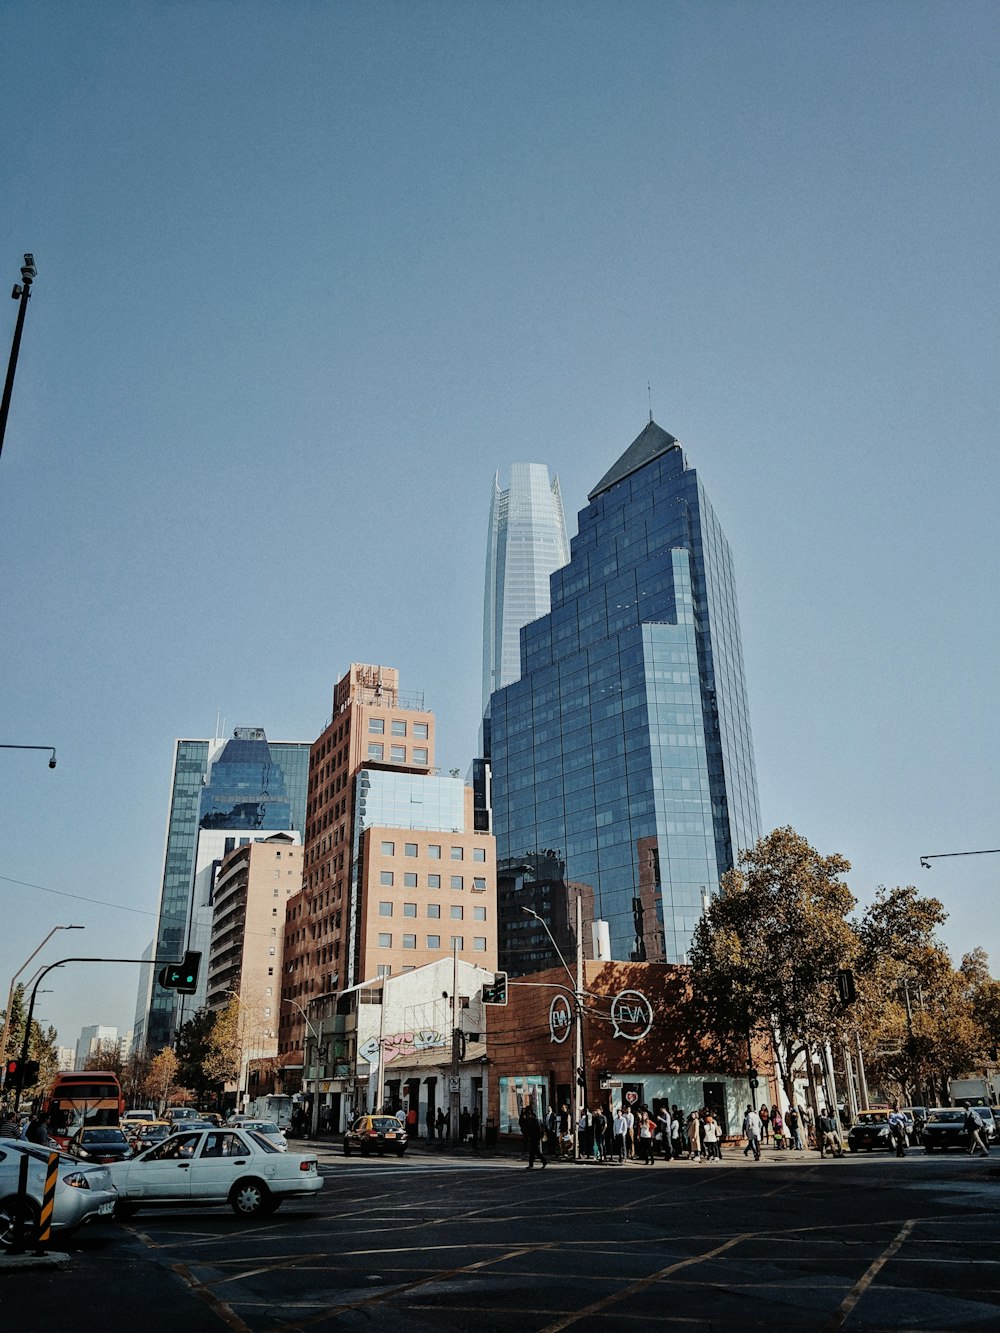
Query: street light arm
925	861
545	927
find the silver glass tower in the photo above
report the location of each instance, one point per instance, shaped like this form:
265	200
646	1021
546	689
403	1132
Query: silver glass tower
527	542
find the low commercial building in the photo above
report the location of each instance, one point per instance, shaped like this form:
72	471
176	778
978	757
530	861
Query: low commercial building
642	1046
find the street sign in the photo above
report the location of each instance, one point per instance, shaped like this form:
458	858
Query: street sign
454	1083
608	1083
369	1051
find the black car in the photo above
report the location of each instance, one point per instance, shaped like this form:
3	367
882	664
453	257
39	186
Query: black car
376	1133
871	1131
100	1145
945	1127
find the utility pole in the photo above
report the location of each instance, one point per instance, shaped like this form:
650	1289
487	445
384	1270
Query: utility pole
579	1068
454	1093
21	293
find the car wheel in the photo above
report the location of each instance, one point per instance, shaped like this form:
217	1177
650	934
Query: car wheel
928	1148
347	1149
852	1147
363	1150
400	1151
249	1197
123	1210
10	1208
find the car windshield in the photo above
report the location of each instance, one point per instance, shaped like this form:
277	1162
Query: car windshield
873	1117
103	1136
946	1117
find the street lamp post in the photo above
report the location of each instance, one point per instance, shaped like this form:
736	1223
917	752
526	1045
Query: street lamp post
21	293
314	1117
577	981
10	995
49	748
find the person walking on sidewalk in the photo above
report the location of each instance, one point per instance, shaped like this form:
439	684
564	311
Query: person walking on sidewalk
694	1137
751	1132
897	1129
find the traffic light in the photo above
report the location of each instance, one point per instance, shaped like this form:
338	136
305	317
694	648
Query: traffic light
12	1074
845	986
29	1077
752	1078
496	992
581	1077
183	976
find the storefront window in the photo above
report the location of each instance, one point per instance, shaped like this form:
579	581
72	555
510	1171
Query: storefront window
516	1093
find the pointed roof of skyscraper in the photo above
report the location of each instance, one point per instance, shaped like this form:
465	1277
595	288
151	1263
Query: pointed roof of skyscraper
649	444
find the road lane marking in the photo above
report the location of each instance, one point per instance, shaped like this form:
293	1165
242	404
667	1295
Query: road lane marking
867	1278
645	1282
214	1303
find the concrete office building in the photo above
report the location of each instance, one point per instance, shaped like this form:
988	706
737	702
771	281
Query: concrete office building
622	758
395	875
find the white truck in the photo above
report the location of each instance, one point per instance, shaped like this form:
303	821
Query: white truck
978	1090
275	1106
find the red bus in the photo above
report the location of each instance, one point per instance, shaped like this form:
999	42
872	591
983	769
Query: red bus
82	1097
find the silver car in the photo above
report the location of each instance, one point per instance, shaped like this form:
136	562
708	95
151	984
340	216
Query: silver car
83	1192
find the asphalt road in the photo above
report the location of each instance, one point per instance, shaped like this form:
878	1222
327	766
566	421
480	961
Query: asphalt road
438	1243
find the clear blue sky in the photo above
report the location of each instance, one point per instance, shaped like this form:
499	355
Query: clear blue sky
309	273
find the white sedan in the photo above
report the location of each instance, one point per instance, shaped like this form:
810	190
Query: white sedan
215	1166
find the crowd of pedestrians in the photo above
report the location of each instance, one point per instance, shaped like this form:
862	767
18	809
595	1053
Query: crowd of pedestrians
623	1133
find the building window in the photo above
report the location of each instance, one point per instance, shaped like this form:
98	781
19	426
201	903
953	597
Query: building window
397	753
458	854
409	880
456	882
376	726
386	878
375	751
434	851
409	941
385	940
457	942
433	881
398	727
271	950
419	755
479	884
409	849
409	909
479	944
388	849
457	912
479	853
434	911
434	941
385	909
384	970
479	913
420	730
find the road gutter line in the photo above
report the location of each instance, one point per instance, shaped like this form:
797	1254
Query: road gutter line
864	1282
217	1306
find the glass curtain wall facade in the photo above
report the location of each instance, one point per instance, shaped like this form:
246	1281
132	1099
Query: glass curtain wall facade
242	784
623	754
527	542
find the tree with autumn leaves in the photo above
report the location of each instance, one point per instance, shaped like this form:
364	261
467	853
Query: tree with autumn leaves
765	958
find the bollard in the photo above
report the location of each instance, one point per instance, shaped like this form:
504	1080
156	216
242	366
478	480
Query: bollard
48	1200
20	1208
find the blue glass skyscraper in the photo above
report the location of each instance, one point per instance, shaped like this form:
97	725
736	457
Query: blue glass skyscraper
622	760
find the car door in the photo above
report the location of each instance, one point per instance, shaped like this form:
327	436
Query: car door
222	1159
165	1172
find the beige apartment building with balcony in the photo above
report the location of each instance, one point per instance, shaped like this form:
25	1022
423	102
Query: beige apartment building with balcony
252	889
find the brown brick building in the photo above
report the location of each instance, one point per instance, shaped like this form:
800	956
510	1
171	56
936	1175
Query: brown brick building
640	1036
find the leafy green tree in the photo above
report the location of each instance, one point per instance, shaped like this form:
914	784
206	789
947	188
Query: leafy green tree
162	1087
195	1052
224	1059
765	954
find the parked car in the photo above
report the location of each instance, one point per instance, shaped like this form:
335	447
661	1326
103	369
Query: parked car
215	1166
99	1144
84	1192
376	1133
266	1127
945	1127
871	1131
